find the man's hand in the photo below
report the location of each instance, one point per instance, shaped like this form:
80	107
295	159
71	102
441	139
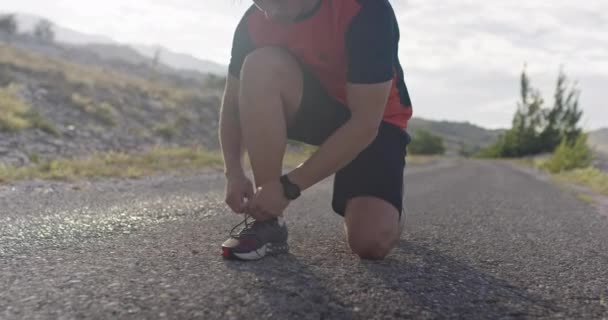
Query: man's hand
268	202
238	188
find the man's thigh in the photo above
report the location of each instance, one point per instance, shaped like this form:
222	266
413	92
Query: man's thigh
319	114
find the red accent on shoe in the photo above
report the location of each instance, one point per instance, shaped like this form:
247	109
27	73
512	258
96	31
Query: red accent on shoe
226	252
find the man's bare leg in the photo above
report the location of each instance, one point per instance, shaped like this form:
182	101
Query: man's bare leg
271	89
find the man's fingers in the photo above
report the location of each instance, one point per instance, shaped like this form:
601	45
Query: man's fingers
235	203
254	210
259	213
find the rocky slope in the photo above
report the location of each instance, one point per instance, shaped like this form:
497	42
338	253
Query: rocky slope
91	104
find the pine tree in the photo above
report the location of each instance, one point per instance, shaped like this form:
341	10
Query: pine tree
523	138
562	120
536	129
44	31
8	24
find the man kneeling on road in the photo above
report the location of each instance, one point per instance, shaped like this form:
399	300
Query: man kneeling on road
326	73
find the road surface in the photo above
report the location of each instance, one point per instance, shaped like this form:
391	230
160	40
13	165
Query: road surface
483	241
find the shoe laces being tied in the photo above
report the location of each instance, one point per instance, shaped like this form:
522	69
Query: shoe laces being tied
250	227
246	230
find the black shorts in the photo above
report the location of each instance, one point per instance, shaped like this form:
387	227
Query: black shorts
377	171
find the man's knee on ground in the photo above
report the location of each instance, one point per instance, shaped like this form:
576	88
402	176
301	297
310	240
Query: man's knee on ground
371	246
371	227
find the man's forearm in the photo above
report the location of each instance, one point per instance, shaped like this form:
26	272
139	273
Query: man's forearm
231	140
337	151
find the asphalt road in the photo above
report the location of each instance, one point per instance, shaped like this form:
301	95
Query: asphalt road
483	241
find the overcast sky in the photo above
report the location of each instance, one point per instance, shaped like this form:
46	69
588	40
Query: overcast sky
462	58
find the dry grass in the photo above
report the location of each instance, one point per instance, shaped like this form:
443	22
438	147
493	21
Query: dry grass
592	178
116	164
586	198
589	177
126	165
417	160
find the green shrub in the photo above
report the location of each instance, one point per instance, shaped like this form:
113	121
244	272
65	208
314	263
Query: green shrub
106	113
425	143
468	150
167	130
570	156
13	110
38	121
6	75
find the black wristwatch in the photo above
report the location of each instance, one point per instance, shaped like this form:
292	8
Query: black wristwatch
290	189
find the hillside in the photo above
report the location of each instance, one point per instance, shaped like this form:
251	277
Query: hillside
64	101
456	135
71	100
599	139
182	61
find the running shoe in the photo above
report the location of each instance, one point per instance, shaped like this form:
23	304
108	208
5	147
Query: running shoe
256	239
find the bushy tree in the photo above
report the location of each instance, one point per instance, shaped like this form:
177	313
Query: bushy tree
527	122
536	129
8	24
425	143
468	150
562	120
44	30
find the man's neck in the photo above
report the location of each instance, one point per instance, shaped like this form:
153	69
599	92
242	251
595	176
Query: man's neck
310	6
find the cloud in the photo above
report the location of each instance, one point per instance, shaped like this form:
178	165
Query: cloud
462	58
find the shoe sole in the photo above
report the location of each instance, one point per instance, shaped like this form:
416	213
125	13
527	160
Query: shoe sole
269	249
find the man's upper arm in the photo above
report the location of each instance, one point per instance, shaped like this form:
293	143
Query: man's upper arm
231	92
242	45
371	44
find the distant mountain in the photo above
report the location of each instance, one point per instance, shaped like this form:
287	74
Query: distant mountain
599	139
122	53
27	23
130	53
181	60
457	136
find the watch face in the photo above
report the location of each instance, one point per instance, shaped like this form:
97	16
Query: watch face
292	192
